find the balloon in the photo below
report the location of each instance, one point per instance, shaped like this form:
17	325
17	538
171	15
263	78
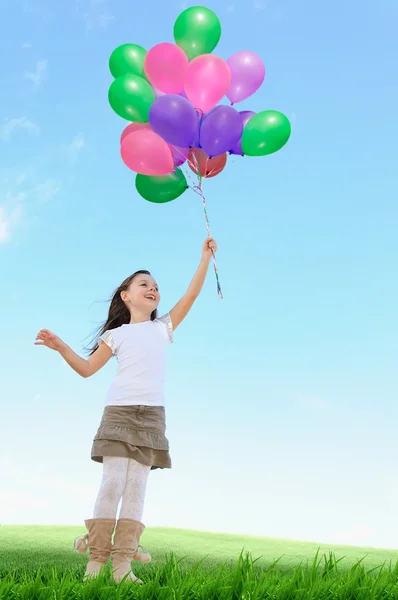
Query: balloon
161	189
127	59
245	115
147	153
179	155
174	118
207	81
197	31
133	127
199	119
247	75
208	167
165	66
221	128
265	133
131	97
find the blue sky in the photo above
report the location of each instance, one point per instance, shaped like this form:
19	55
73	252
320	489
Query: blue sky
282	398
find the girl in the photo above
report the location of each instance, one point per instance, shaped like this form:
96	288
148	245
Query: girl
130	440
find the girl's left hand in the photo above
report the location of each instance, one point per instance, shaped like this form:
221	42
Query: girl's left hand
209	246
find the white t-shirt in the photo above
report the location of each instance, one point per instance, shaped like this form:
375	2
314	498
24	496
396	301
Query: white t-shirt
141	351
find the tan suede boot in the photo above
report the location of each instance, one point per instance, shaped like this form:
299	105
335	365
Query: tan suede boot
125	549
99	542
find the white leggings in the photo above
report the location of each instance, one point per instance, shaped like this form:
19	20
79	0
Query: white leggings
123	479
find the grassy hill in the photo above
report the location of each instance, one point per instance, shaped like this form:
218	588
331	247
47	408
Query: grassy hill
41	558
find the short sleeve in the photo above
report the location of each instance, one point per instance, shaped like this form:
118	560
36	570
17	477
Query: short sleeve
109	339
166	322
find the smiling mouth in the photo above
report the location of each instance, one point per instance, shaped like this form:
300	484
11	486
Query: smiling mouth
150	297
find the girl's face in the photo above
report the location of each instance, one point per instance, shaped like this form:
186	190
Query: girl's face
143	293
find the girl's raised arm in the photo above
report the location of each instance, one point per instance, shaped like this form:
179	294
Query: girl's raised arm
182	308
83	367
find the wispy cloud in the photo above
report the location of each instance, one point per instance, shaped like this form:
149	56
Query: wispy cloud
275	11
95	13
73	150
47	190
39	75
259	5
8	221
12	125
26	45
20	179
230	8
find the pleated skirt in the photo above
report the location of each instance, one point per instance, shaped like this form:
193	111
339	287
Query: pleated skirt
137	432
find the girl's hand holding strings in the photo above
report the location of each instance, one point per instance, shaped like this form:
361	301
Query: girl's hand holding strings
209	247
49	339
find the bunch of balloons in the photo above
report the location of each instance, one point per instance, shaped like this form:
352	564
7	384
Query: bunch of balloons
171	95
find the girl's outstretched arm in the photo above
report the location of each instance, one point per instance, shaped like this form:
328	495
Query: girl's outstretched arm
182	308
83	367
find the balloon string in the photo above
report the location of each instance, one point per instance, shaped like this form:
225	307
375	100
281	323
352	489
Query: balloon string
199	190
209	235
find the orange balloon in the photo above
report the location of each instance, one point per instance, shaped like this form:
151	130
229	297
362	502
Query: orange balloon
208	167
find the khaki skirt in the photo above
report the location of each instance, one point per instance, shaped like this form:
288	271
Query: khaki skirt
133	432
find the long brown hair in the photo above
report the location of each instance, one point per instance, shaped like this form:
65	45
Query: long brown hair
118	313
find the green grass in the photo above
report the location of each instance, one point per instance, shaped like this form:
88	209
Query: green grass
39	562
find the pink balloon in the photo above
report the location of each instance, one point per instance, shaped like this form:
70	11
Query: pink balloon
165	66
178	154
145	152
207	81
133	127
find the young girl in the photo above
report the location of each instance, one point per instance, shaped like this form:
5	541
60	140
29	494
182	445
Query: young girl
131	438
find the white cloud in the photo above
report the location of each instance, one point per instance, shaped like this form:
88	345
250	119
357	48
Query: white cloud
47	190
73	150
26	45
39	75
11	125
8	221
36	398
230	8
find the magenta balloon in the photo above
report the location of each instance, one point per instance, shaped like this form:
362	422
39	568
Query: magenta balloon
221	128
174	119
207	80
247	75
245	115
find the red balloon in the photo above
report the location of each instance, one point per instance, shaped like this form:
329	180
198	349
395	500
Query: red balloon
208	167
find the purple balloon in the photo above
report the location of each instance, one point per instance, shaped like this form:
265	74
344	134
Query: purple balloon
199	117
174	119
221	128
245	115
180	155
247	75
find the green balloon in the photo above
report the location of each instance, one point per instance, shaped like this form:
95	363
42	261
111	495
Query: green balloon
163	188
197	31
127	59
265	133
131	97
